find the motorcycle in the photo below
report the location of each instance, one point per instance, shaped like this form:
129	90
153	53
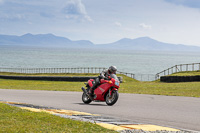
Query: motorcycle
107	91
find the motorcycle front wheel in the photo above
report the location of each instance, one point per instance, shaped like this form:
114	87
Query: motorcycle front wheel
112	99
86	99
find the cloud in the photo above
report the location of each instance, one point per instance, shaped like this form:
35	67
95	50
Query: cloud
40	10
46	14
187	3
118	24
12	17
12	10
145	26
75	9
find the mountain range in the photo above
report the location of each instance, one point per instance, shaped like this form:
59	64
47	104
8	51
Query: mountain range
50	40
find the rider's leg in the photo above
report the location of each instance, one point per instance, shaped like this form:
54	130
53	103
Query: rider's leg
97	82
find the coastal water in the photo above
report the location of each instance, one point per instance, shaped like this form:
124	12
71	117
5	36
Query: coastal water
138	62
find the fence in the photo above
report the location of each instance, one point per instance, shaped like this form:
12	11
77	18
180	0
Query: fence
54	70
179	68
127	74
141	77
145	77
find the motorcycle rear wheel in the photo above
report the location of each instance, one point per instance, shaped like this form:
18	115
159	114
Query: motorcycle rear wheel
113	99
86	99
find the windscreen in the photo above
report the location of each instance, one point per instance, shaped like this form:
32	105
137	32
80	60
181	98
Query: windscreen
114	76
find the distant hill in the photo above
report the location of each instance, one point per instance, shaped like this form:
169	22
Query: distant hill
50	40
42	40
146	43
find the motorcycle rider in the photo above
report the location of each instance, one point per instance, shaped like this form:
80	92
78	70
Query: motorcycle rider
103	75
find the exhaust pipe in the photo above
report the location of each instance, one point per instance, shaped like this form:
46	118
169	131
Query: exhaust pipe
84	90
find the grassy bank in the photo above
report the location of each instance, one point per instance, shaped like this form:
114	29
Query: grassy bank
14	120
187	73
129	85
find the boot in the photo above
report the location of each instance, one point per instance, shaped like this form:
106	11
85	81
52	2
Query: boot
91	91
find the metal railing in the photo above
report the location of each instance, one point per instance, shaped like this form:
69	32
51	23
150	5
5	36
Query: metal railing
54	70
141	77
179	68
145	77
127	74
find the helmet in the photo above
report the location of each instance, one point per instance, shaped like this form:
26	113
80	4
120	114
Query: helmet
112	69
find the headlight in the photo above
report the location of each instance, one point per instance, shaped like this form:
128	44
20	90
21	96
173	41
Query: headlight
116	83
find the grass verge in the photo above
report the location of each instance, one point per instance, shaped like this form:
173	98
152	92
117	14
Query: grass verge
186	73
129	85
14	120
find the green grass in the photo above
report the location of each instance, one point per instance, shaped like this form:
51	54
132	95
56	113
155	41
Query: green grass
40	85
13	119
186	73
190	89
129	85
16	120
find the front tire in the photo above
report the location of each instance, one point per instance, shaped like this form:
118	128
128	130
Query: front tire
86	99
113	99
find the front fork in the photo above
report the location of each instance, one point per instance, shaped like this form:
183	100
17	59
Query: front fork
110	91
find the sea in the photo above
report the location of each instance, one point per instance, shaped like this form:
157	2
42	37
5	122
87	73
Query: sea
137	62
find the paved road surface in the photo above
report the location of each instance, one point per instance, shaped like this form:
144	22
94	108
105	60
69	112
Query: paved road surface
171	111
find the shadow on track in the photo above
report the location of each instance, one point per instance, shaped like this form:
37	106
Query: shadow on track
91	104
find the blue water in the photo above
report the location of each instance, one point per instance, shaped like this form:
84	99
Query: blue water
138	62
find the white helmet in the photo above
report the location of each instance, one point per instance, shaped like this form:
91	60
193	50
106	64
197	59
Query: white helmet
112	69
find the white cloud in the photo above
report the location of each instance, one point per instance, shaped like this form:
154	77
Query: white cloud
12	17
118	24
145	26
164	20
62	10
75	9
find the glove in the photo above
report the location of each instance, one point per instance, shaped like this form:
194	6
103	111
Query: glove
101	77
105	78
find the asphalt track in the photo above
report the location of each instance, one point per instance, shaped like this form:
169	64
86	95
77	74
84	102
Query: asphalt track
170	111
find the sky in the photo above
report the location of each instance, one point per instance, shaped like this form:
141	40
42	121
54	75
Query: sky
104	21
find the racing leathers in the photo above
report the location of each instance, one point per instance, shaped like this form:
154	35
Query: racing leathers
103	75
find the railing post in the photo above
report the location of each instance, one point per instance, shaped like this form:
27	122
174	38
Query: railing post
158	76
187	67
176	68
199	66
181	68
192	67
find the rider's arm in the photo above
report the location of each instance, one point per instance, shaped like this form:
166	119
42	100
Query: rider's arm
102	74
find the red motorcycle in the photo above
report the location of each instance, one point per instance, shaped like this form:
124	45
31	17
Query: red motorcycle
107	91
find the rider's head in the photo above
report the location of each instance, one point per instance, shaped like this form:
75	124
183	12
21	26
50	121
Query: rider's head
112	69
